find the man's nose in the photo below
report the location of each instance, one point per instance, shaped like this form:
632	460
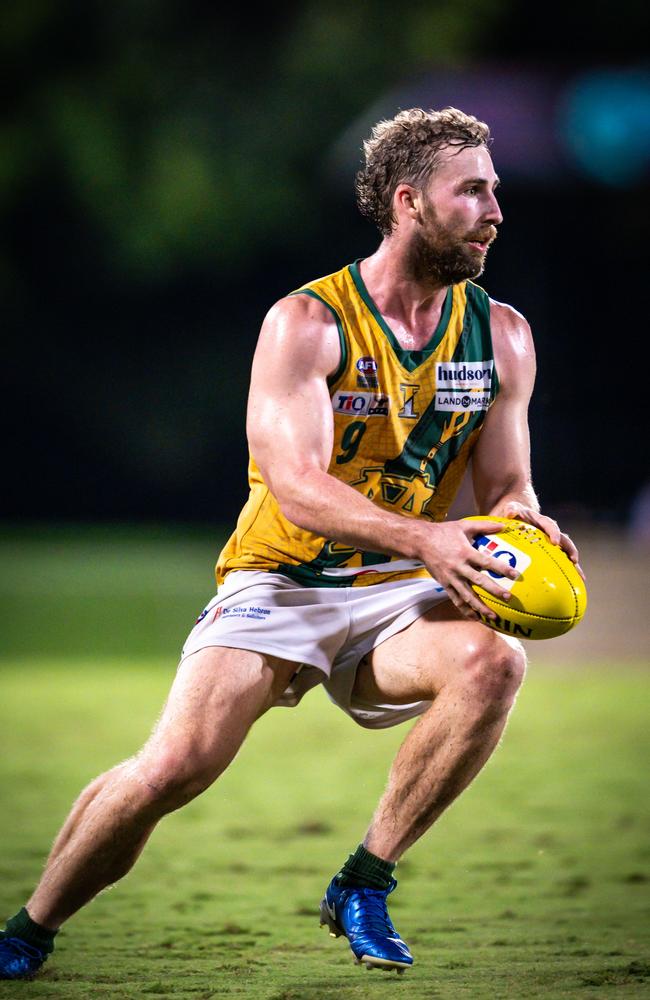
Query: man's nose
493	212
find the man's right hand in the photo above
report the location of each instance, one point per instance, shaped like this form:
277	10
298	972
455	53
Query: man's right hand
447	552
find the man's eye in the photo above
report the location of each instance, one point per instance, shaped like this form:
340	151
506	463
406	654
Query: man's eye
472	190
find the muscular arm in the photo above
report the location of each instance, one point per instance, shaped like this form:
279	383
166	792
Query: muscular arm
501	460
290	431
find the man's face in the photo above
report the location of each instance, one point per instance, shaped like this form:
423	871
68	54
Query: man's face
458	218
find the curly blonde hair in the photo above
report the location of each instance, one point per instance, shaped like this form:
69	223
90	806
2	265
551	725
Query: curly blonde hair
404	149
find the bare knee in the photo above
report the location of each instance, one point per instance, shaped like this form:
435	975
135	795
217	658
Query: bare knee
159	783
491	671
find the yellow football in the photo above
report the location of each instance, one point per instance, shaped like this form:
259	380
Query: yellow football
548	598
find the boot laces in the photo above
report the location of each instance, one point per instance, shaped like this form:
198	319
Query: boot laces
372	907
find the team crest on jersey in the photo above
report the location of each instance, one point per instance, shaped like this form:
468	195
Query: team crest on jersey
367	373
408	410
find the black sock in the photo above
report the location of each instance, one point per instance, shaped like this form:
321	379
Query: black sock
22	926
365	869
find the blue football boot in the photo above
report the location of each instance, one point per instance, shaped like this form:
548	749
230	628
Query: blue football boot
361	916
19	960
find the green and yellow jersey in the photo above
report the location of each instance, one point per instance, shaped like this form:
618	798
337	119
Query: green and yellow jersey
405	423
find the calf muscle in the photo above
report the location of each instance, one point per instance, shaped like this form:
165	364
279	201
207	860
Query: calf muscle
471	675
216	696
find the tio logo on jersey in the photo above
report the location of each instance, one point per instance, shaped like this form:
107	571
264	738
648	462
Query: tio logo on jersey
361	404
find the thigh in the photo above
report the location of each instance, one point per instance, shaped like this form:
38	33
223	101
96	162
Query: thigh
216	696
416	663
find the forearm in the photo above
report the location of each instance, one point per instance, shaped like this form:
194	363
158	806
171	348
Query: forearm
523	496
318	502
511	487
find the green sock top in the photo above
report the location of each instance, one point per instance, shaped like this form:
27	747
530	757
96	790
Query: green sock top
22	926
365	869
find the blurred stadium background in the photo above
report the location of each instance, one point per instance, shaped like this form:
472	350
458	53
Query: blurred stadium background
167	171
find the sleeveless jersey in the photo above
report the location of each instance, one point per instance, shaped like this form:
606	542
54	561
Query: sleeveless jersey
405	423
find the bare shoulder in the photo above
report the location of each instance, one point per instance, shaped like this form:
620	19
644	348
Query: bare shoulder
508	324
301	330
512	341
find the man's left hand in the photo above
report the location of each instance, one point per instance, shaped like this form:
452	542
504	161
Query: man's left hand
520	512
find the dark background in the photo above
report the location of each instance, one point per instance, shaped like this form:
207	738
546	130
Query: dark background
169	170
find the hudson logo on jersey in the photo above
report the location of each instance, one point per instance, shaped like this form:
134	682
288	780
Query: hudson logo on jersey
502	550
468	375
361	404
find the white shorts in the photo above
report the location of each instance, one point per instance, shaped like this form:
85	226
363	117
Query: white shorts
326	631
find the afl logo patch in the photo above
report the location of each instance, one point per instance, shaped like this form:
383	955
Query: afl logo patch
367	366
367	373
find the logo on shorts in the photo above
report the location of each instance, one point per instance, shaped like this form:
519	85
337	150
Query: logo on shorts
217	613
246	611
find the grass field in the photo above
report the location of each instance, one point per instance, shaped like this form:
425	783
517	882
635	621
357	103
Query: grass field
536	883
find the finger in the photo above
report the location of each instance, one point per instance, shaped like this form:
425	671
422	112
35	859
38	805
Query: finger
579	569
468	613
498	566
483	527
552	529
472	599
487	583
567	545
544	523
461	607
460	596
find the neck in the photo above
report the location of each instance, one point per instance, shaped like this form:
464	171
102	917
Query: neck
410	301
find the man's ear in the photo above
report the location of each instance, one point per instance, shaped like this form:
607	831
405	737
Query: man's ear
407	203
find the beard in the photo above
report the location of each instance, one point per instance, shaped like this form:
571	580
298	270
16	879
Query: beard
443	255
